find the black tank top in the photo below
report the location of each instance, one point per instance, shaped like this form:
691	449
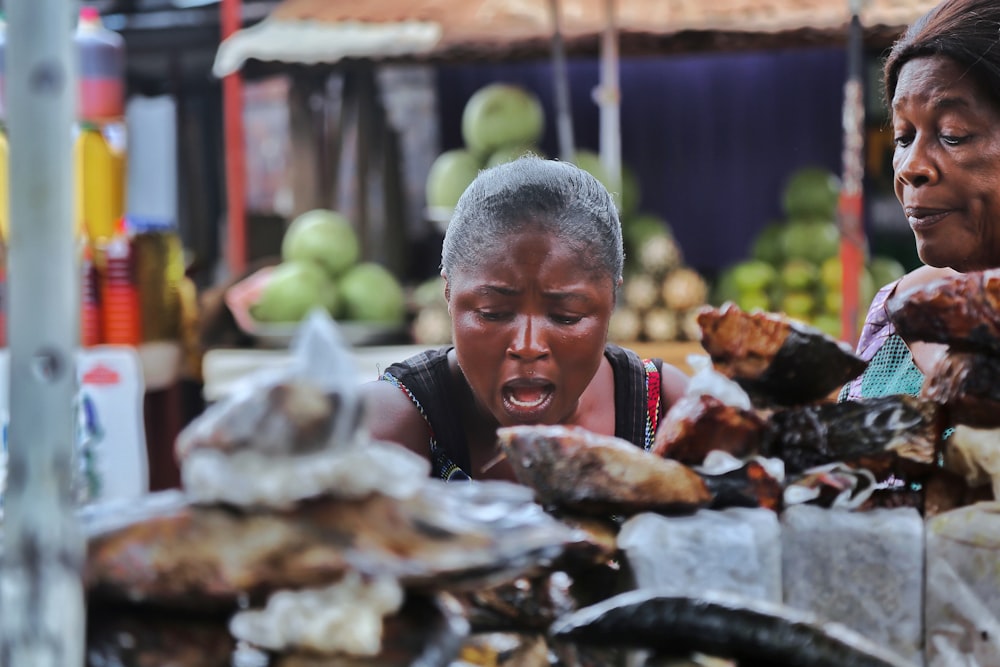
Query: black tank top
426	380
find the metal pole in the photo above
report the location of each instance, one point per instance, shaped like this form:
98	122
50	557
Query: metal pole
564	115
853	246
42	614
609	102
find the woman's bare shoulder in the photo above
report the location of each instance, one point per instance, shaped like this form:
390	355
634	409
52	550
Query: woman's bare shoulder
394	417
922	276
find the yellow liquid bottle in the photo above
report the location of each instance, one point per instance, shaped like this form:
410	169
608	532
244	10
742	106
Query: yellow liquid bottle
100	175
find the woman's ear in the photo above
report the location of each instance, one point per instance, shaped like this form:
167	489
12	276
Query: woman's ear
447	291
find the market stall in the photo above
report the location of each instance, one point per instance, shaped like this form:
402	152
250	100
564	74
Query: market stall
296	537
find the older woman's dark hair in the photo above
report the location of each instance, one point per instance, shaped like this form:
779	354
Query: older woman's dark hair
967	31
533	193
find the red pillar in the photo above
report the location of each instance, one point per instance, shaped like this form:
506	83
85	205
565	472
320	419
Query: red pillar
232	110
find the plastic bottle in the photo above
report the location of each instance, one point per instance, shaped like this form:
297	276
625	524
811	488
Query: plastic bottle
159	270
120	307
101	58
100	176
90	307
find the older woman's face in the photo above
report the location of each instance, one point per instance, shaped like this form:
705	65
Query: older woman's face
947	164
530	323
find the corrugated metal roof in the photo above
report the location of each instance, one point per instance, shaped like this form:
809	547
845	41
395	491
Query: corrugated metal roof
312	31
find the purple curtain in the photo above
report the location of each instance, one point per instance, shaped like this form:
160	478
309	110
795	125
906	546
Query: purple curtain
712	137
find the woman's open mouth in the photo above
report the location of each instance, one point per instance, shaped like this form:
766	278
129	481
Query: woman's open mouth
526	400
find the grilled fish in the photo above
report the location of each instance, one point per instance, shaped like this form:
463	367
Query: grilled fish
445	537
776	359
585	472
968	385
890	426
696	425
961	311
752	631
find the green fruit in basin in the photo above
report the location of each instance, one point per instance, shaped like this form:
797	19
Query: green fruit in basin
291	291
370	293
324	237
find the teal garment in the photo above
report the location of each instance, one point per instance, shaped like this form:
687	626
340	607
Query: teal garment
891	371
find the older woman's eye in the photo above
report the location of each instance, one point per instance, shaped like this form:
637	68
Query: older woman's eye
566	319
902	140
952	140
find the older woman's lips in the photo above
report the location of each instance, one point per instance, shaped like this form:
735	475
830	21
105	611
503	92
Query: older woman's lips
922	218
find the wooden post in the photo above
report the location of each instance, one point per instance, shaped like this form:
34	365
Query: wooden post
306	146
231	15
609	101
564	114
853	246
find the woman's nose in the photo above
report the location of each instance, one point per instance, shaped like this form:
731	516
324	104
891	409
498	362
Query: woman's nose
916	166
529	339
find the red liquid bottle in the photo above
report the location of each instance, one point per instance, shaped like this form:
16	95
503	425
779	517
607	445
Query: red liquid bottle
90	305
120	308
101	57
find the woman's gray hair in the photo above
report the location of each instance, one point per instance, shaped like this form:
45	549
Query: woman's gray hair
534	193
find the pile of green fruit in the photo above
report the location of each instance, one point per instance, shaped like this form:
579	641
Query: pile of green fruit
794	265
320	267
501	122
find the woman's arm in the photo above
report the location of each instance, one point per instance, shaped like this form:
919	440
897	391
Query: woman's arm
392	416
673	384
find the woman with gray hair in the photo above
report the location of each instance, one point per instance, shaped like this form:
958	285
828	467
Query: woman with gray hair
532	261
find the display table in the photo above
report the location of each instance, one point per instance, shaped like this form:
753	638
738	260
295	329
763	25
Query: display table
223	368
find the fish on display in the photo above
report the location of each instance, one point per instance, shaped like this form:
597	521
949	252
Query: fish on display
749	630
888	427
746	483
586	472
447	536
967	384
961	311
776	359
696	425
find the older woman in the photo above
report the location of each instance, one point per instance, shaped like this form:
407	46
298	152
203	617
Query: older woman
532	260
942	81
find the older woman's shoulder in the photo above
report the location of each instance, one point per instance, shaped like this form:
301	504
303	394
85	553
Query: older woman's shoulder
922	276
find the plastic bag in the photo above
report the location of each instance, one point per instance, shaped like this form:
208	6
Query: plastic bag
707	381
309	404
294	432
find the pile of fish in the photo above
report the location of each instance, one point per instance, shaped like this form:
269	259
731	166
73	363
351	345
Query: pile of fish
963	313
759	427
299	540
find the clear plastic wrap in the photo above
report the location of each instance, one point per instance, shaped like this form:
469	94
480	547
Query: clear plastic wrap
297	431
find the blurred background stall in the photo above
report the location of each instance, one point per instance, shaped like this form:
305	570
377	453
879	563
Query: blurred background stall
207	127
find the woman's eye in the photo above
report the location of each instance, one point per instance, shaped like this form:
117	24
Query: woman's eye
493	316
952	140
902	140
566	319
